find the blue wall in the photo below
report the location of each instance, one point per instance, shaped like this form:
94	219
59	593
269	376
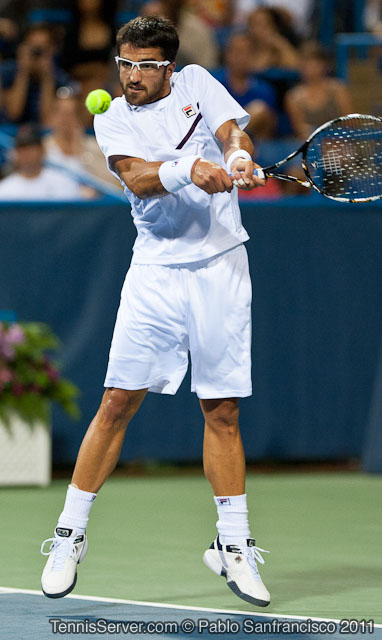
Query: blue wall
317	275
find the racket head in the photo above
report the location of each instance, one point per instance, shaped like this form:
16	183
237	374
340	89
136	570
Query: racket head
342	159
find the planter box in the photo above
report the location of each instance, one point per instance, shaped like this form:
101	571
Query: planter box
25	453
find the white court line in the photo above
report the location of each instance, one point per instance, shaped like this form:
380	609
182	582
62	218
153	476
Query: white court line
159	605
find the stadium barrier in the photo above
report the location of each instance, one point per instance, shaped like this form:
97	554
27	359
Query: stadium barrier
317	317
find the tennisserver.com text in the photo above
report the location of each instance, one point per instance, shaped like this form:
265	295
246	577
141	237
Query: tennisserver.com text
204	626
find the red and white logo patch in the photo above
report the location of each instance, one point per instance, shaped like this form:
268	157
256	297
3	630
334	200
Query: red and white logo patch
188	111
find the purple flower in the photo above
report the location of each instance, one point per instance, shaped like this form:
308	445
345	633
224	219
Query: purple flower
6	350
5	375
15	334
52	374
8	338
51	371
17	389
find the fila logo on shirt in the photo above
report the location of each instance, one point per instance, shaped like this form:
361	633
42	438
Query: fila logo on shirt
189	111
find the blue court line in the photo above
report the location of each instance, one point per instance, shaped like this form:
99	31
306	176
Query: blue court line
28	615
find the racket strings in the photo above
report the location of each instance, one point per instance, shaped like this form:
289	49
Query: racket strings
344	159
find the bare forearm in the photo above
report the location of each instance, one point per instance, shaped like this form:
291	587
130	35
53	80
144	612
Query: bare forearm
286	52
142	178
15	97
144	183
237	140
241	166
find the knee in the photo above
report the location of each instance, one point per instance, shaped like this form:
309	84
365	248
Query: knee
118	406
222	415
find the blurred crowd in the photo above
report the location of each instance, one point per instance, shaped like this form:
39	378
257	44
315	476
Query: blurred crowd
265	52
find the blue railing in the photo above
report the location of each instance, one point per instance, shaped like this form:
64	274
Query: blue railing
327	19
347	41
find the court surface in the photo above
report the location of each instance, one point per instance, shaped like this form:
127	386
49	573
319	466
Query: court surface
146	539
27	615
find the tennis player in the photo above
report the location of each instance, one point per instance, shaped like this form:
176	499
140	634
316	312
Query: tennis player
176	142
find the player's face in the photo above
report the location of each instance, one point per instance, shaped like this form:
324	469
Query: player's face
140	87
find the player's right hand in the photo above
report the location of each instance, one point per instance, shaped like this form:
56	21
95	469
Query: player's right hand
210	177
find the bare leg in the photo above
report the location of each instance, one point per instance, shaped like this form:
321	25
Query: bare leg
101	446
223	454
224	466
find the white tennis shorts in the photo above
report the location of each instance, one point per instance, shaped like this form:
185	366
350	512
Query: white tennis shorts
167	311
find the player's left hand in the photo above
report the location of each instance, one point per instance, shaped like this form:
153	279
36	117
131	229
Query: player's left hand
242	172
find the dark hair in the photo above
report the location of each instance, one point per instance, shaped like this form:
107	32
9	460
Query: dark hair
150	31
106	11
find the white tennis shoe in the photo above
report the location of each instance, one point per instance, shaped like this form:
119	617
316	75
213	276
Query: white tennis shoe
67	549
238	565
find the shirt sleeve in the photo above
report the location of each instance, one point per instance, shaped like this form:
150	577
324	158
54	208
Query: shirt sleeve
216	104
115	137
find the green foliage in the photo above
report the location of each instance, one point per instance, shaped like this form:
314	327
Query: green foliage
29	378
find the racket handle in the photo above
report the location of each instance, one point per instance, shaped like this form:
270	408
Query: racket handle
259	173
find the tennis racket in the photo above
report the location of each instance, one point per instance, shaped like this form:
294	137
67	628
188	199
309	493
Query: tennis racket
342	159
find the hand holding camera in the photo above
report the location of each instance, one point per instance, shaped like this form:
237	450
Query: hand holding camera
35	60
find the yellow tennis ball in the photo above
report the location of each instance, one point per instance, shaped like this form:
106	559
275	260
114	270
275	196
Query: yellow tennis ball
98	101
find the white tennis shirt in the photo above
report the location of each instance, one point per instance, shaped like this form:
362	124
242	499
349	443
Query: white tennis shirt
189	225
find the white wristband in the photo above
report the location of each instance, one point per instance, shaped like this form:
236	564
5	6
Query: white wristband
240	153
176	174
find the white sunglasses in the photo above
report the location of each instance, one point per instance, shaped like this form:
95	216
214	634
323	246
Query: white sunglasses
144	66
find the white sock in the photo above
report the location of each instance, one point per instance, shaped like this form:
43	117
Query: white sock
233	524
76	509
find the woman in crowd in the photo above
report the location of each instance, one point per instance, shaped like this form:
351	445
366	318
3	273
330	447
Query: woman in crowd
272	39
89	43
69	146
256	96
318	98
197	40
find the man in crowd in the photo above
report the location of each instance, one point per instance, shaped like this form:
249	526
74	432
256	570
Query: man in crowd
31	180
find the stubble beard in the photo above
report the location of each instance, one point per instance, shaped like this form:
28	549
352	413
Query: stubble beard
137	99
143	96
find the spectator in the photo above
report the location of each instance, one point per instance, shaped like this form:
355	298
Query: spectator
89	42
197	40
373	16
254	95
272	48
299	10
13	22
216	13
31	81
31	180
69	145
318	97
8	37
